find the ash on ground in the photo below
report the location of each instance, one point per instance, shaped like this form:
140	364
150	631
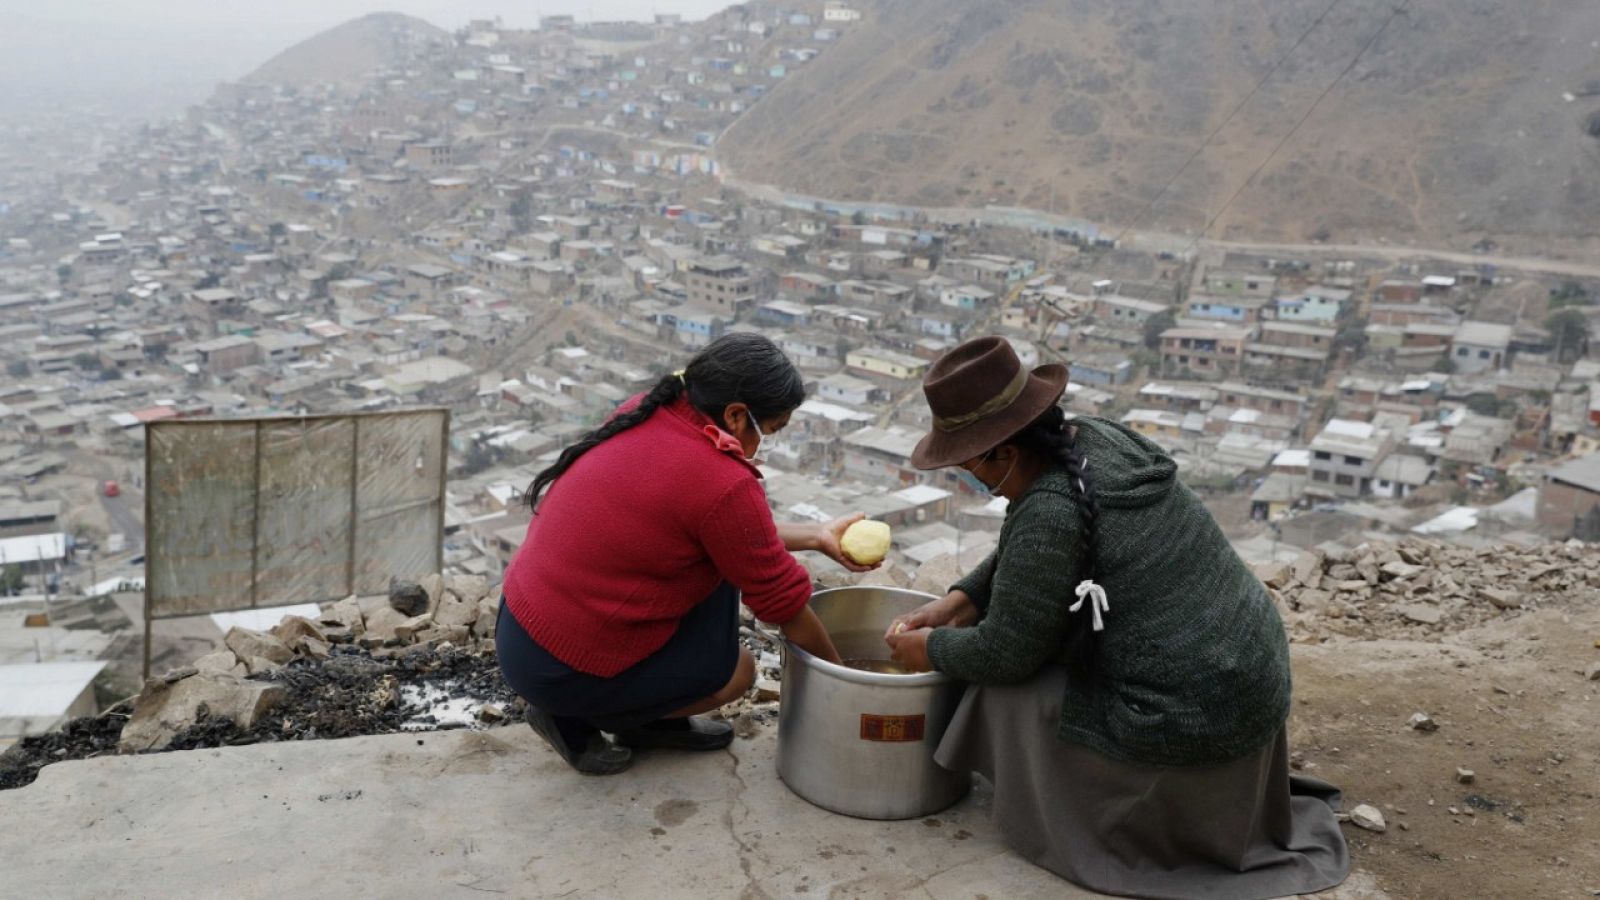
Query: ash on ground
349	693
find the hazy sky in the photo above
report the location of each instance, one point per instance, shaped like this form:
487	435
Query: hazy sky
160	55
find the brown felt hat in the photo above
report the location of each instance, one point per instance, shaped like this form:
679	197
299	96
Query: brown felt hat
981	396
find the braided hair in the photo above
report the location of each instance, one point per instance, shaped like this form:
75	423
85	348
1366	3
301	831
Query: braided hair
735	368
1051	437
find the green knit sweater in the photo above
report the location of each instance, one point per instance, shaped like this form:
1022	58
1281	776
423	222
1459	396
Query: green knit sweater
1193	665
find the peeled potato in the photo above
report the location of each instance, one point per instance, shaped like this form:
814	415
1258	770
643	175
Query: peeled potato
866	542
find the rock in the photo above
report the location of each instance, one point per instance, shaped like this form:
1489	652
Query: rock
1367	566
834	577
311	648
1423	722
491	713
483	627
455	610
255	665
345	614
1368	817
221	662
380	624
1401	570
249	644
1501	598
1312	600
407	630
433	584
164	710
1352	585
1275	575
887	575
180	674
1594	672
746	725
1343	572
293	627
437	634
937	574
470	588
1308	568
768	690
1465	776
407	597
1422	614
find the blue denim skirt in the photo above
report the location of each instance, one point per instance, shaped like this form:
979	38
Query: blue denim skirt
696	662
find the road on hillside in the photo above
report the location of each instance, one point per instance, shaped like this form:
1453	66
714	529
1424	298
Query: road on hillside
1157	241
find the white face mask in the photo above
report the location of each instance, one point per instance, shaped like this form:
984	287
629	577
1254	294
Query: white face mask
761	445
761	441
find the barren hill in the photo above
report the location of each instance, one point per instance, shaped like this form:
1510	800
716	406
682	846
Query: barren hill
351	52
1453	124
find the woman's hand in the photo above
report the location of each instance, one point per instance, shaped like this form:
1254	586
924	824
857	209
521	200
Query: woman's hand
953	609
808	633
909	649
827	542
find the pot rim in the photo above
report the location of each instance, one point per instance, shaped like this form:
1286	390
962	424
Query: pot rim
858	676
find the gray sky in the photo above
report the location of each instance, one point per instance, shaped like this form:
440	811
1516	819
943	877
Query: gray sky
146	56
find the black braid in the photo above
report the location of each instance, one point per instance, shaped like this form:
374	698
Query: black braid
666	390
1051	436
736	368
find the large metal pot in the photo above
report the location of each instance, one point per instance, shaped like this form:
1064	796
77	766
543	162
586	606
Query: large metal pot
858	742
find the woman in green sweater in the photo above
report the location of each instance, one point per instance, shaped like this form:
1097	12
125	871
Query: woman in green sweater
1129	676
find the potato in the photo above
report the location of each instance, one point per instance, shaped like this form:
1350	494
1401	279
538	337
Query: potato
866	542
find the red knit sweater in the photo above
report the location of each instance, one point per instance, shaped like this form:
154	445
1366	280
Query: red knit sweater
639	530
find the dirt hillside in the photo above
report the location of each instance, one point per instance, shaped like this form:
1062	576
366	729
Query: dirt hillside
349	53
1456	123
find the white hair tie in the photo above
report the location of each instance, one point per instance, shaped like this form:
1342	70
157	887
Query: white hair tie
1096	595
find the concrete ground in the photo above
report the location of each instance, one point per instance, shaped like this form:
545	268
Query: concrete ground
463	814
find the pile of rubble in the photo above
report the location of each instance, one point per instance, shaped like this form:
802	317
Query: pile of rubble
1421	590
420	659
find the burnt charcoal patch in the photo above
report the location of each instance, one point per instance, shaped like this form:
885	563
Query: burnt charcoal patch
350	693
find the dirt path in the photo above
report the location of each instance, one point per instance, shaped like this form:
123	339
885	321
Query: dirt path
1513	705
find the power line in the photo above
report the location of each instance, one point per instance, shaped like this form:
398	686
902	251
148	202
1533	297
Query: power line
1394	13
1195	154
1225	122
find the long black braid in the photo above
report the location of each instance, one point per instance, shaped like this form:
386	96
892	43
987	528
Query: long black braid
1052	437
735	368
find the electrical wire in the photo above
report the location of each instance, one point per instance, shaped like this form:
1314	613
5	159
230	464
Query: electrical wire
1394	13
1315	24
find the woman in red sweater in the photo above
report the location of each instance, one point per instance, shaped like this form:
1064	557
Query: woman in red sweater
621	609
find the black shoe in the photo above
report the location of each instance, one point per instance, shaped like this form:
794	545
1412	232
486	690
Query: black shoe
598	756
694	733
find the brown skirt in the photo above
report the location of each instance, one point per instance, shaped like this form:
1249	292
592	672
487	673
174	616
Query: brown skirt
1243	830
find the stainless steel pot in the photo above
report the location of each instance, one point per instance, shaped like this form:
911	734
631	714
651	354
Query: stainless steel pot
857	742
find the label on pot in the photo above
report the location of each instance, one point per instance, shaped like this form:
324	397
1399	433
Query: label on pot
893	729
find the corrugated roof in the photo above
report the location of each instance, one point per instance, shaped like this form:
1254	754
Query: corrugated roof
1583	472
